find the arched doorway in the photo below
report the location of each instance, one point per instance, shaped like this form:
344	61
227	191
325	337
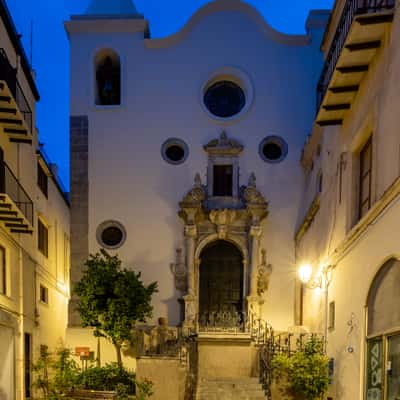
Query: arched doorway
221	284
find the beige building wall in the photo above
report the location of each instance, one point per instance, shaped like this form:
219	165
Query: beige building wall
356	248
27	269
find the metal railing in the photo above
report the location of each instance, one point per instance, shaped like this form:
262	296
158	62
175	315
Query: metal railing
351	9
9	75
11	186
223	321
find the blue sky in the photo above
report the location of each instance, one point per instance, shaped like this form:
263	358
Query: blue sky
51	50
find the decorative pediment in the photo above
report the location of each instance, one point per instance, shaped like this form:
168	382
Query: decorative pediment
223	146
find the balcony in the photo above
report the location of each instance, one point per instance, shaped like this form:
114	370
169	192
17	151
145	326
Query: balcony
16	207
15	114
359	35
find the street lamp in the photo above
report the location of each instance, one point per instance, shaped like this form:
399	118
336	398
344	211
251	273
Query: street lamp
305	272
320	281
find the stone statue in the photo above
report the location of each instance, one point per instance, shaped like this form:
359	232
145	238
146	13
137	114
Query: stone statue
179	271
264	274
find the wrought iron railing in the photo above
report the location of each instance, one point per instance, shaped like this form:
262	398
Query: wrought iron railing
9	75
271	343
351	9
162	341
223	321
11	186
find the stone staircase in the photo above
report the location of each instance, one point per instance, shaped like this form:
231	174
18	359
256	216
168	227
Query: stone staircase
229	389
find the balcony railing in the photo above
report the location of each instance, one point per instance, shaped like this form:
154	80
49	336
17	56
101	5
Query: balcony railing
10	185
352	9
9	75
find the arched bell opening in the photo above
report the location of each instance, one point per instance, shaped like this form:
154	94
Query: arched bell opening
108	78
221	286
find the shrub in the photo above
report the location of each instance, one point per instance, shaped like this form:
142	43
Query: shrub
306	371
107	378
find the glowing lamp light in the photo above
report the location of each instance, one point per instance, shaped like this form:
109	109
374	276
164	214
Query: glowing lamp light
305	272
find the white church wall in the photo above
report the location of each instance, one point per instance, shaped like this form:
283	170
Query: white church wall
161	98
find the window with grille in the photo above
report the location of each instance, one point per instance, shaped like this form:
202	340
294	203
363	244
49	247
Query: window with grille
223	180
365	178
43	238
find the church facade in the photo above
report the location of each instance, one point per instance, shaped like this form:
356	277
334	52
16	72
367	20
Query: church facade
201	160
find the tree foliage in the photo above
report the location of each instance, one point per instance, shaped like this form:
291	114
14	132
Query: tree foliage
112	299
306	371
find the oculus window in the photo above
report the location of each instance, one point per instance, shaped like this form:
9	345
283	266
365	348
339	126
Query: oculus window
111	234
273	149
224	99
174	151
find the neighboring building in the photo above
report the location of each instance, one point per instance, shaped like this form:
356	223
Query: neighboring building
34	226
185	160
351	230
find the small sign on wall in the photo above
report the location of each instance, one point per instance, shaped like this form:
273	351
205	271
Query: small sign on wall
82	351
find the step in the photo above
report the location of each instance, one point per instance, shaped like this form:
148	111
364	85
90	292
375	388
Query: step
230	389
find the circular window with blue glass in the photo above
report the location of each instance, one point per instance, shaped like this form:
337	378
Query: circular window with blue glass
224	99
273	149
174	151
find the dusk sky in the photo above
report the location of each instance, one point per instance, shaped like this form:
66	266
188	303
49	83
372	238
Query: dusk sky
51	49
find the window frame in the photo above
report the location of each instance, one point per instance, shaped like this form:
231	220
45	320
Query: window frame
43	228
42	180
363	174
221	186
44	290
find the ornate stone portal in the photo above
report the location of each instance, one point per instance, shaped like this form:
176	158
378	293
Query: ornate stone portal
236	220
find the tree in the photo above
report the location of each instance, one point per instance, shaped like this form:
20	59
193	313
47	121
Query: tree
112	299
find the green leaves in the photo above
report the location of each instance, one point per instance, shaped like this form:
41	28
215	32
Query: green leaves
306	371
112	299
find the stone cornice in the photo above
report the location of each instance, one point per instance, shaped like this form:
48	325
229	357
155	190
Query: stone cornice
223	146
390	195
114	25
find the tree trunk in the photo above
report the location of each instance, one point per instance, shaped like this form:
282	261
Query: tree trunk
98	359
119	356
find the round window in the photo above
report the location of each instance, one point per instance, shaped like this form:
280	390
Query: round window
111	234
174	151
224	99
273	149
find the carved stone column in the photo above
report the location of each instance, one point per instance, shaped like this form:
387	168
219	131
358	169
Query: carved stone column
255	233
190	237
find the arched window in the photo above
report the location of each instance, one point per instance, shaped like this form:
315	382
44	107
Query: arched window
384	299
108	78
383	335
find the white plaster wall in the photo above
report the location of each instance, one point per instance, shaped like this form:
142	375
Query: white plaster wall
129	180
